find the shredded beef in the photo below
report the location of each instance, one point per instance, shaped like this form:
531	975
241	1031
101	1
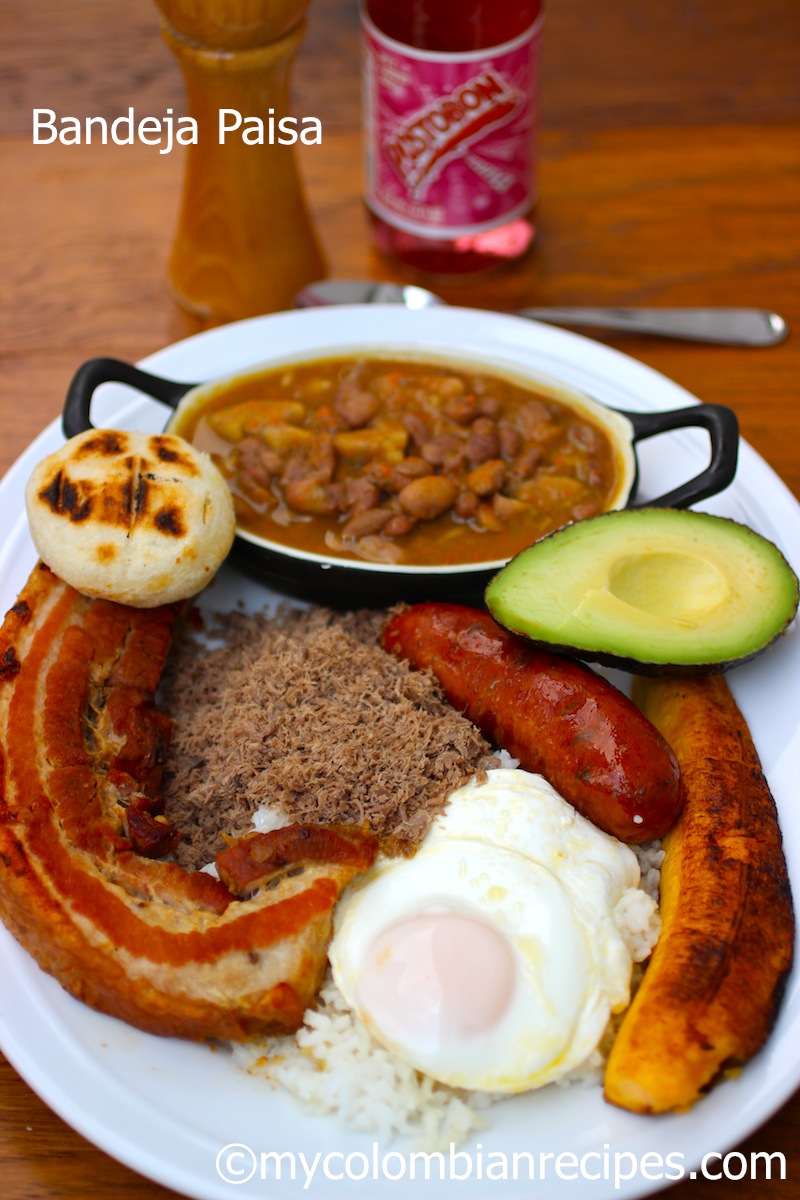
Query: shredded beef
305	713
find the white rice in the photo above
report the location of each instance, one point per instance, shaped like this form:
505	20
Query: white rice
334	1065
650	856
266	819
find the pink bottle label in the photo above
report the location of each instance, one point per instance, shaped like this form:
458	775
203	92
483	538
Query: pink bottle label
450	138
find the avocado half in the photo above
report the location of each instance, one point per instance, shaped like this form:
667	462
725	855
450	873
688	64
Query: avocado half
652	590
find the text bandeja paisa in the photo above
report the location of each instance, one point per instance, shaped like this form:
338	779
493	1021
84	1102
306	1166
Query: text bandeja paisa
169	130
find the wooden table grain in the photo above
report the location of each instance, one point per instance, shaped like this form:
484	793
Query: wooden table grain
670	174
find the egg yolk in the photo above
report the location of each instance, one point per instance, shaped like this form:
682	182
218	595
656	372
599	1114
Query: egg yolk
437	978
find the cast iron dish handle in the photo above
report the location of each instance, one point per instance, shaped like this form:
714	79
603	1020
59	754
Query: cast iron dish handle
76	417
723	429
720	422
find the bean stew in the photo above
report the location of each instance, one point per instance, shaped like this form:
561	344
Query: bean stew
396	461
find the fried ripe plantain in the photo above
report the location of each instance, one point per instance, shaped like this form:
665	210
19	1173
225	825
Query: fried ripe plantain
709	997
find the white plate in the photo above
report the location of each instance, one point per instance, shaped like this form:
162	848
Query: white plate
167	1108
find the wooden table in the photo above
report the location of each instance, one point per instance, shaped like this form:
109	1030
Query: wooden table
670	175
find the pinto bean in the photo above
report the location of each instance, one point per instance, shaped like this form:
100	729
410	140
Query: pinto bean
295	467
377	472
437	449
428	497
314	463
453	463
544	432
357	406
488	478
410	468
321	454
309	496
483	442
417	426
461	409
399	525
370	521
489	406
531	415
257	462
525	466
510	440
257	495
466	505
360	495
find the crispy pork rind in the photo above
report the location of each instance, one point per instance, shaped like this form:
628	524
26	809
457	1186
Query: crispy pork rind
81	751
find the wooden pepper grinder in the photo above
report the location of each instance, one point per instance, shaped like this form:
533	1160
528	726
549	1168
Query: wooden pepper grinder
245	242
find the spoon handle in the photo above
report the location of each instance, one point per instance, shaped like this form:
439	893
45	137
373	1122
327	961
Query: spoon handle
728	326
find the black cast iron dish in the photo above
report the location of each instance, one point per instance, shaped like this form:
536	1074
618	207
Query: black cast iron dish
361	584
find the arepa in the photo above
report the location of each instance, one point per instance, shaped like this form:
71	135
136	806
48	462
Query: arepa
140	519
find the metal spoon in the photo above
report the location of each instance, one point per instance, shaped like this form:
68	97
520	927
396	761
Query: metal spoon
726	326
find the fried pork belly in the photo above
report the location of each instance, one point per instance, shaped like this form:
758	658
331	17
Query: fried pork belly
82	746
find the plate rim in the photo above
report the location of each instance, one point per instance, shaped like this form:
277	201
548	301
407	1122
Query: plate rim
29	1065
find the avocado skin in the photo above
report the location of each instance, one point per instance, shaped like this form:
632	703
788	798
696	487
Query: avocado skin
636	666
628	662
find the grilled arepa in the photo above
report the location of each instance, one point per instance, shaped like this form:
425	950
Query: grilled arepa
81	750
136	518
711	991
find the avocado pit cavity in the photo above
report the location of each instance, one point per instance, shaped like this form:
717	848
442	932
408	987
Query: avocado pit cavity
682	587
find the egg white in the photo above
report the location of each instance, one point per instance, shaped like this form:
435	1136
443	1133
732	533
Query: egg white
514	858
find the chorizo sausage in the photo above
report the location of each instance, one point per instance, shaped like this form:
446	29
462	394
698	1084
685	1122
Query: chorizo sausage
558	717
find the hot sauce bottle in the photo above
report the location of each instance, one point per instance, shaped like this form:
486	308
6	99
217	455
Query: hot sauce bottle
450	93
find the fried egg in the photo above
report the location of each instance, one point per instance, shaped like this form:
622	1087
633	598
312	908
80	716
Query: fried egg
491	959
